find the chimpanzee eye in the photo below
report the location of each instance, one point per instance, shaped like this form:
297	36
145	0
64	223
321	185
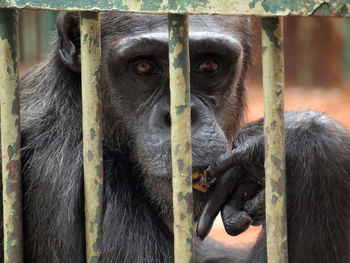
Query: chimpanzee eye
144	68
207	66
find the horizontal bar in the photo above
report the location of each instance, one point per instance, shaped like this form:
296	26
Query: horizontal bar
273	82
92	132
181	153
222	7
10	139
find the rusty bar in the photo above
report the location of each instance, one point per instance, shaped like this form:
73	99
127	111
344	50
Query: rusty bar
273	82
180	111
92	132
10	138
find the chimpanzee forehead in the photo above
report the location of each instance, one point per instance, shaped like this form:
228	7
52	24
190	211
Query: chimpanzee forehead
126	24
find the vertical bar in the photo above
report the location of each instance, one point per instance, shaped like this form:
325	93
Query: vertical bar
10	138
92	131
180	111
273	82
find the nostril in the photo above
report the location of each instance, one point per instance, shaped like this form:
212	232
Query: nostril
167	119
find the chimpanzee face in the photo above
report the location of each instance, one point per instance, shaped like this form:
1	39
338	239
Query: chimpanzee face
135	73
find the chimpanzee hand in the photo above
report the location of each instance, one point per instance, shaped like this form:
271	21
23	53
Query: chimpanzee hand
237	191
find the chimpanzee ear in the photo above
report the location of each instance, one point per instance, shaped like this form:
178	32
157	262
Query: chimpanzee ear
68	29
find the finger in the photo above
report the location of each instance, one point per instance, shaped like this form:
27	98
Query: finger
255	207
236	157
235	220
256	204
223	187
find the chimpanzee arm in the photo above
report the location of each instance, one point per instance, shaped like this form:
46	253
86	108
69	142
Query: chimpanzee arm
318	188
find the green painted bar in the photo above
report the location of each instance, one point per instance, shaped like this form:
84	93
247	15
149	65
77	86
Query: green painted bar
10	138
273	82
223	7
181	152
92	132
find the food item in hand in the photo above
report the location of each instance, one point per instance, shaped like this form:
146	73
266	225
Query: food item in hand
199	181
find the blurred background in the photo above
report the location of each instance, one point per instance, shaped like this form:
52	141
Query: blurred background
317	72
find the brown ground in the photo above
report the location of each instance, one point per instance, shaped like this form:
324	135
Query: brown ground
333	101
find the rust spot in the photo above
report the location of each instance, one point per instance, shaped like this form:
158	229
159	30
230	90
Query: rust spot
99	171
187	147
277	186
13	168
188	199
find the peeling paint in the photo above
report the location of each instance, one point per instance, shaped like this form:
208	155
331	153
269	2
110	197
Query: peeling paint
273	82
222	7
92	132
180	110
10	139
90	156
180	165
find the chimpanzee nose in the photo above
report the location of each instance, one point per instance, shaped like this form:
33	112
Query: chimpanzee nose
160	115
194	117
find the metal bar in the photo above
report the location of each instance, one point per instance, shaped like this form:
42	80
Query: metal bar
273	82
92	131
180	111
222	7
10	138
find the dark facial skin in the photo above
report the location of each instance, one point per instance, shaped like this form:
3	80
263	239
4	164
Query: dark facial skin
137	70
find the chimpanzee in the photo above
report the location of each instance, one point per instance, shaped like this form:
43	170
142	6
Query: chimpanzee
137	224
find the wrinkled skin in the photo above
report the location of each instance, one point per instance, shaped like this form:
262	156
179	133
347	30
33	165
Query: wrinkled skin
137	160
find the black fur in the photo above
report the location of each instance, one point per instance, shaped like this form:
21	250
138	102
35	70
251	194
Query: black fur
318	183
